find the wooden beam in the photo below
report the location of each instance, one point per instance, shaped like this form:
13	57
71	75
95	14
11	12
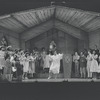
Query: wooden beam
88	22
6	31
19	21
33	32
69	29
72	25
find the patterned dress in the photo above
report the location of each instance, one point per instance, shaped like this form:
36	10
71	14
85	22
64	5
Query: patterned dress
2	59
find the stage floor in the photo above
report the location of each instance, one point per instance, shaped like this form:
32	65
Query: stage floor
61	80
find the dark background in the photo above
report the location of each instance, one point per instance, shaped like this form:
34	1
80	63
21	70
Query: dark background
48	91
11	6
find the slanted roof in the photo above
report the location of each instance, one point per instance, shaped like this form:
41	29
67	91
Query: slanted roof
21	21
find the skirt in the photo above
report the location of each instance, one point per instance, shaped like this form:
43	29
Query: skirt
94	66
2	62
26	67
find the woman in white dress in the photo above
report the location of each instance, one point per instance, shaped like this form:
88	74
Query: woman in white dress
89	61
26	65
55	65
2	59
94	64
47	60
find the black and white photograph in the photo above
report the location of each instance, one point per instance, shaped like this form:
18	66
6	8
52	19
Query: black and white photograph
51	41
49	49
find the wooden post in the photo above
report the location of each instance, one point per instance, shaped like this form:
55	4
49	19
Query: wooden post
67	65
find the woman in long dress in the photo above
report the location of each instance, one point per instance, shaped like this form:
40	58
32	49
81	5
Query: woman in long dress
2	60
89	61
26	66
47	60
7	69
82	65
76	58
94	64
32	65
98	70
55	65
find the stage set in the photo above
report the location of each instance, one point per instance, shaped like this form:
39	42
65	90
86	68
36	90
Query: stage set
71	29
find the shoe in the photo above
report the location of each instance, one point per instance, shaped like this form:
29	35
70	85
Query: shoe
26	78
49	77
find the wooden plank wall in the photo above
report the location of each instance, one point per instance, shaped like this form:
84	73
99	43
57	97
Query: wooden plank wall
94	39
12	37
65	42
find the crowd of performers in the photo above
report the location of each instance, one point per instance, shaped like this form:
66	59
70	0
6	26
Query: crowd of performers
21	64
87	63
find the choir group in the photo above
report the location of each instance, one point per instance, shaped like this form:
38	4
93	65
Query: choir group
87	64
21	64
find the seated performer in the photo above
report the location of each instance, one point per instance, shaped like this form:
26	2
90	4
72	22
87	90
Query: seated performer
55	65
4	42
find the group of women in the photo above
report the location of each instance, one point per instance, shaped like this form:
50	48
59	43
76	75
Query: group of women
20	64
87	65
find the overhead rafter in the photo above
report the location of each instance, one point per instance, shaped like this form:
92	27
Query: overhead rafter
69	29
62	15
8	31
89	21
72	26
19	21
33	32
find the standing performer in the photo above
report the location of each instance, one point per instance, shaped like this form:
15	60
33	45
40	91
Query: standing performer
94	64
98	70
32	65
2	59
47	60
89	61
19	69
55	65
43	54
76	58
82	65
26	66
8	68
96	49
